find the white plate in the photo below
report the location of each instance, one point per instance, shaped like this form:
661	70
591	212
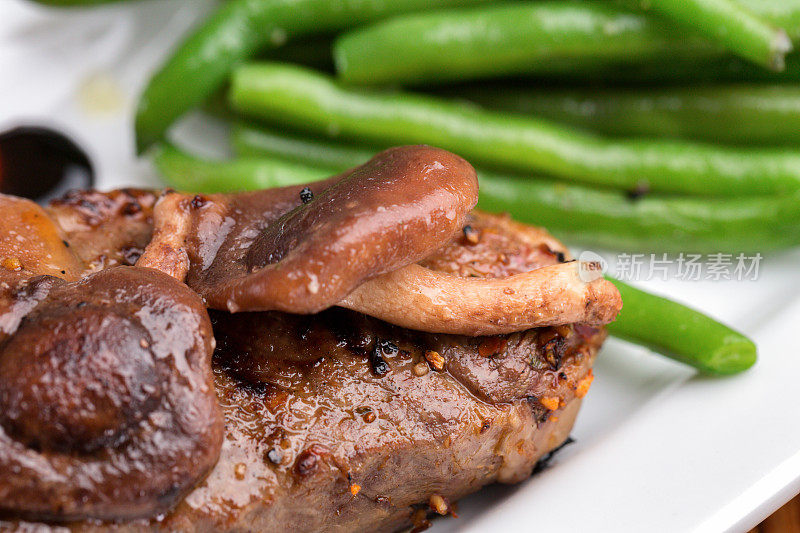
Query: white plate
658	448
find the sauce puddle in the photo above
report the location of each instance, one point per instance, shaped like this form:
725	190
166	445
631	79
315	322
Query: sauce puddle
41	164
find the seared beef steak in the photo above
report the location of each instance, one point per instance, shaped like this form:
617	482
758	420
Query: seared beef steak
360	417
321	406
303	433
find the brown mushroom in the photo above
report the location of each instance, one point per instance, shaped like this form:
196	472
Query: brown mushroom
271	251
354	243
418	298
107	405
514	278
31	243
167	249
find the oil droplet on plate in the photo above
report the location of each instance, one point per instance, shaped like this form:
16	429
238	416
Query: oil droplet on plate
100	94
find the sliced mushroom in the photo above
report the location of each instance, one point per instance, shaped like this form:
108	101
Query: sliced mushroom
31	243
107	404
270	251
507	277
418	298
167	249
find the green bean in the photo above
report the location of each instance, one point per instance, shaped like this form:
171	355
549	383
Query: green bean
681	333
735	114
238	30
251	141
652	223
550	38
188	173
579	214
297	97
732	25
539	37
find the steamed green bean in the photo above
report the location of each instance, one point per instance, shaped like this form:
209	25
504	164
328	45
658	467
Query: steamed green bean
546	38
238	30
296	97
735	114
681	333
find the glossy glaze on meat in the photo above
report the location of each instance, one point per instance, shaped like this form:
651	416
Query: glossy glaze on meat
107	407
301	435
105	229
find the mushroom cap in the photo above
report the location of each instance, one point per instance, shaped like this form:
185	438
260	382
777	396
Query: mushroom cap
107	403
269	250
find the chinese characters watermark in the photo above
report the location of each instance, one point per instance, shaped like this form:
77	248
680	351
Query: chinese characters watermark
682	266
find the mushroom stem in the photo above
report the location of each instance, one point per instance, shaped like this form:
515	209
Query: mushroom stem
167	249
418	298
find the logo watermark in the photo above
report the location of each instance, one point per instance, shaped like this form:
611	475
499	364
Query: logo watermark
591	266
718	266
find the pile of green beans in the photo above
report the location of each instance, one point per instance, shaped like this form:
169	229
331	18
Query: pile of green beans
613	123
238	30
293	96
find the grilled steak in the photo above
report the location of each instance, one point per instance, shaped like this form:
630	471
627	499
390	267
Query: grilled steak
339	421
367	436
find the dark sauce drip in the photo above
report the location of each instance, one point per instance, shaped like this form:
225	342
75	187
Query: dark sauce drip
41	164
544	462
